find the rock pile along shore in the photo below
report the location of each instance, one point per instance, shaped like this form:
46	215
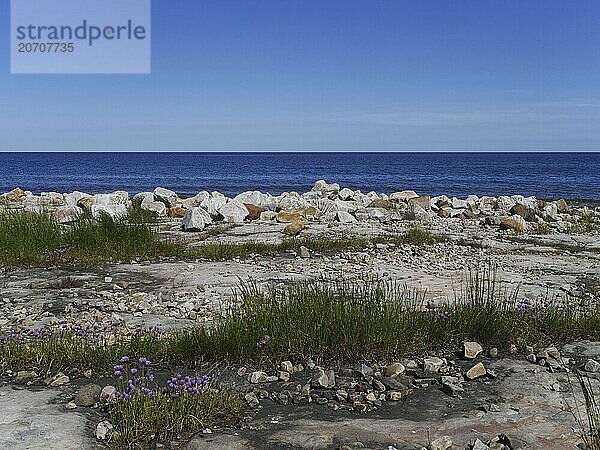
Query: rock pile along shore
324	203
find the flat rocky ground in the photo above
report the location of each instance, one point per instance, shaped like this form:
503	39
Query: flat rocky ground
528	402
180	293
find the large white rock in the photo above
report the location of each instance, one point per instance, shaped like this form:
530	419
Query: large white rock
213	204
256	198
458	203
324	188
141	197
345	217
113	210
195	219
114	198
149	204
346	194
196	200
167	196
403	195
292	200
72	198
550	212
52	198
487	204
234	211
378	213
67	214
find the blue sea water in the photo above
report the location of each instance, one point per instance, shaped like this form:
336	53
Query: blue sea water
546	175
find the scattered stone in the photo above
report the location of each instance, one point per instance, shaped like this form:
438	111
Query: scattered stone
70	406
251	399
287	366
104	430
87	395
322	379
57	380
592	366
364	370
432	364
395	369
304	253
283	375
25	377
294	228
472	349
257	377
493	352
478	370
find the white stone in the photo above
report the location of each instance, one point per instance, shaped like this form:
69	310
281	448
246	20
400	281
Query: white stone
403	195
167	196
472	349
212	205
113	210
345	217
103	430
592	366
196	200
195	219
149	204
234	211
346	194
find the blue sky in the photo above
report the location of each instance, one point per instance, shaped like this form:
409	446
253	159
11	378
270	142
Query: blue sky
285	75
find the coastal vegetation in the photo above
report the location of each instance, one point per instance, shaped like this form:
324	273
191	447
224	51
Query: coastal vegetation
329	320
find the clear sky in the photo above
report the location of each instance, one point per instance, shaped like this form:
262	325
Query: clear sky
252	75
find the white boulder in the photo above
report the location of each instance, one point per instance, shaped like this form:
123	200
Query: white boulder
195	219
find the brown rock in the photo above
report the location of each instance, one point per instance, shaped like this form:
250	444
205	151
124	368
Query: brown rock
15	195
294	228
87	395
385	204
177	212
562	206
424	201
86	203
289	216
515	222
524	211
254	211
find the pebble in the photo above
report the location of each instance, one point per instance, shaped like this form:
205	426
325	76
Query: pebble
257	377
103	430
478	370
472	349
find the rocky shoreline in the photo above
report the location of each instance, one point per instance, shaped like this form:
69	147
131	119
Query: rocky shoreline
511	400
324	203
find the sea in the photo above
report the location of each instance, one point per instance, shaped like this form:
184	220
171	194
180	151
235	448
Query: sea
568	175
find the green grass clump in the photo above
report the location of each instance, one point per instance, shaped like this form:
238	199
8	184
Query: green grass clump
156	416
37	240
